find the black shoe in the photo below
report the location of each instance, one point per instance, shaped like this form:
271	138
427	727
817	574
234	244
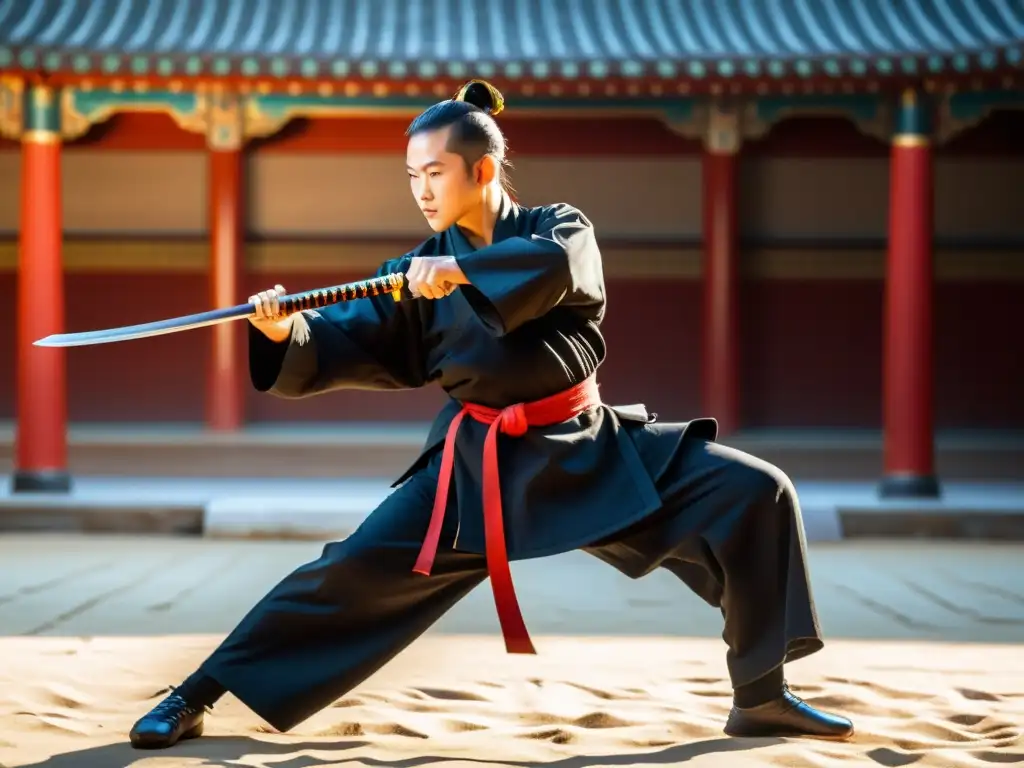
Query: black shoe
167	723
787	715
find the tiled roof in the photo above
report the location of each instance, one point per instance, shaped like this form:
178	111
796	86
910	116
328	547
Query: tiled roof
512	38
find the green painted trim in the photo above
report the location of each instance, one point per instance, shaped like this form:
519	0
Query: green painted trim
861	108
41	109
913	114
972	106
82	109
280	106
96	104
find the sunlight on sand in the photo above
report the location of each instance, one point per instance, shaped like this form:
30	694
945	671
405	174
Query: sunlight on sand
582	703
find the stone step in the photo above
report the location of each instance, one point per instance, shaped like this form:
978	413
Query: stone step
360	451
271	508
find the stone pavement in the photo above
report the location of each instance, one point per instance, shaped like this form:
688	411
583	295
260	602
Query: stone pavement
318	508
59	584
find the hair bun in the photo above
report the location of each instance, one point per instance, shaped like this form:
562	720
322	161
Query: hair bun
482	94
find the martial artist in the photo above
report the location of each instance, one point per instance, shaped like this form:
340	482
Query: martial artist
504	314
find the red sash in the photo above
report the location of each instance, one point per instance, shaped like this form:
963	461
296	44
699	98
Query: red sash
514	421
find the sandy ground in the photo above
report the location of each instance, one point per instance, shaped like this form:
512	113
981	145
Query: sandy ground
925	652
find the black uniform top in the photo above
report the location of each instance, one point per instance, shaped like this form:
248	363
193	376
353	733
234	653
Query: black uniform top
527	327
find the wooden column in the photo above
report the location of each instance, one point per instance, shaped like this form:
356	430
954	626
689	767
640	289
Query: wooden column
909	462
41	438
721	353
226	375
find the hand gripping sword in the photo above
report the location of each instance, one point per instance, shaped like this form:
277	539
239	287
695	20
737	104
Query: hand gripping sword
322	297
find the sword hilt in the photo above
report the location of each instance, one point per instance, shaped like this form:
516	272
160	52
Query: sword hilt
362	289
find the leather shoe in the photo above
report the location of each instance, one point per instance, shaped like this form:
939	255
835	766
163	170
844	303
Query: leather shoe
787	715
170	721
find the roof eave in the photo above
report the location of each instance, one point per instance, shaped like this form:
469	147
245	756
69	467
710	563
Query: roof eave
64	61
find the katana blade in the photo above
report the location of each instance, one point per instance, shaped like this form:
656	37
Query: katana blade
376	286
145	330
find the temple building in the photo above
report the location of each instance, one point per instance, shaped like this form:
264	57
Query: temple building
809	220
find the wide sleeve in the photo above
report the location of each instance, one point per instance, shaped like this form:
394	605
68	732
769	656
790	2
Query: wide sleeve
371	343
521	278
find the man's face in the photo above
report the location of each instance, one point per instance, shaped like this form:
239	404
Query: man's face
441	186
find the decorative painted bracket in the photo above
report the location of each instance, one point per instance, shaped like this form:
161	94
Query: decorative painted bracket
83	108
217	113
960	111
724	132
268	113
724	123
12	119
717	122
872	115
229	119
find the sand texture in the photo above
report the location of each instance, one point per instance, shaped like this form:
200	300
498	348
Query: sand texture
69	703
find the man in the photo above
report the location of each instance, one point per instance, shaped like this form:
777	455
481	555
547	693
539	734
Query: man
525	461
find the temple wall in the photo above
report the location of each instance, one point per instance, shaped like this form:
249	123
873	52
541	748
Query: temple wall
161	193
813	222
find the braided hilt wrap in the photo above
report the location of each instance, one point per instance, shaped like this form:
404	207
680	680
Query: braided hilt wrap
322	297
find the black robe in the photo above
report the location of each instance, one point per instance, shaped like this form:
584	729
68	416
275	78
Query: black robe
527	327
637	494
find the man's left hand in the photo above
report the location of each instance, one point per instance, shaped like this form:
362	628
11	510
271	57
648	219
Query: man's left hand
434	277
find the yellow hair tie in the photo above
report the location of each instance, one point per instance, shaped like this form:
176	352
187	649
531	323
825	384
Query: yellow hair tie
497	100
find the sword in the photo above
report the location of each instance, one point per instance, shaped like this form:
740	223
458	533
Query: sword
322	297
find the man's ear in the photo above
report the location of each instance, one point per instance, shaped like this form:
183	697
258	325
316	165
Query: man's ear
486	170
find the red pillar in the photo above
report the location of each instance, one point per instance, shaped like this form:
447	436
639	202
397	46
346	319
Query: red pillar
225	396
721	358
909	463
41	439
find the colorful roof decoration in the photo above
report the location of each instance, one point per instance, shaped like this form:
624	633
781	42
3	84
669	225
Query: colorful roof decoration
513	39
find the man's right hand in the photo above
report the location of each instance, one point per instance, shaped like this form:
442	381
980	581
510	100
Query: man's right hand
268	314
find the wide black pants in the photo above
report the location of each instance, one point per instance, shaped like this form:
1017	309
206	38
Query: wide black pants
730	528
